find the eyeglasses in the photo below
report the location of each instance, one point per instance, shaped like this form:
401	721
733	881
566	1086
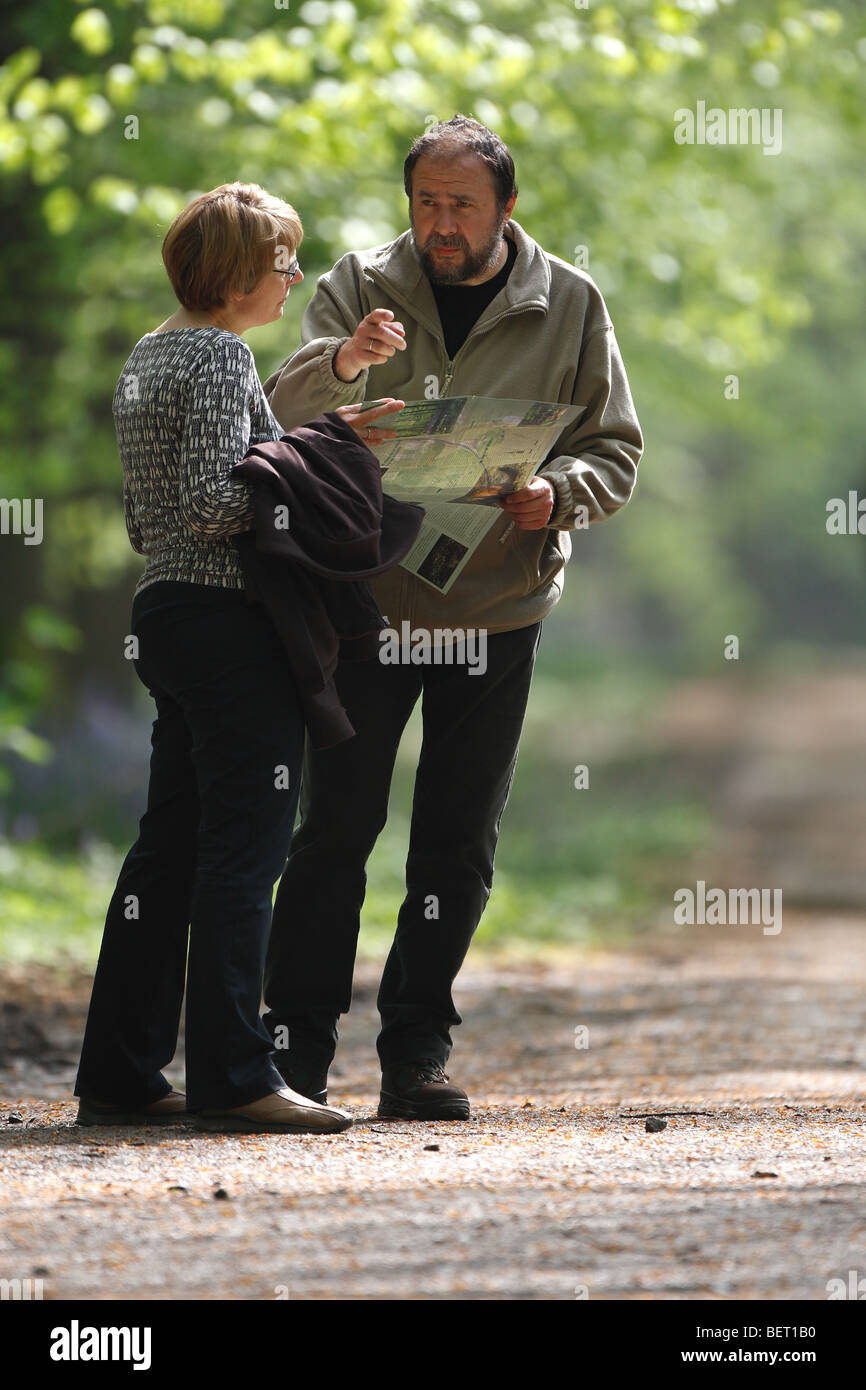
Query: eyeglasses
292	273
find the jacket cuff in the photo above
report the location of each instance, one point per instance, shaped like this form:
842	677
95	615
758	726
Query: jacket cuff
328	376
563	515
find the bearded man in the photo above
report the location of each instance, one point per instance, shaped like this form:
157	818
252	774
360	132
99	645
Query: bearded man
464	303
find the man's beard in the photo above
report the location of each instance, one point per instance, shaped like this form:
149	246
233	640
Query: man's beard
473	264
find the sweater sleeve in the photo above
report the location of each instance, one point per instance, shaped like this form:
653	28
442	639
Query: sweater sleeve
595	473
136	539
306	385
216	435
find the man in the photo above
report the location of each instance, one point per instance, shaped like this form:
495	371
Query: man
465	303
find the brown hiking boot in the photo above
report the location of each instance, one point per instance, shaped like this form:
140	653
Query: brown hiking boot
420	1091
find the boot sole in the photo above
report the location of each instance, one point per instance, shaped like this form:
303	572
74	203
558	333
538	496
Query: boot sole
391	1108
235	1124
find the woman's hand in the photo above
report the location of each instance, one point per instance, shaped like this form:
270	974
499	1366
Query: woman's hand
376	338
361	421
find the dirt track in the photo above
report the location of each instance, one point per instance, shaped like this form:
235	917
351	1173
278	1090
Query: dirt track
550	1192
553	1190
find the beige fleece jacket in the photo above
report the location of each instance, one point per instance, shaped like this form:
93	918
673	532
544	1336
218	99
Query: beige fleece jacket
546	336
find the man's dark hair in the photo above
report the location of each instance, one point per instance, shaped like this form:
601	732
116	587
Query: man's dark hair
463	135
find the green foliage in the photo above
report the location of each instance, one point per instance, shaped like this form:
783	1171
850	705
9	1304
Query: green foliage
589	872
714	262
52	907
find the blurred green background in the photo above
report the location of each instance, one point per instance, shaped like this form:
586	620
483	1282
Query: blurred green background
735	280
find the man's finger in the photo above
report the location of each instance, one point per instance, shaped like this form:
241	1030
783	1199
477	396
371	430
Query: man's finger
382	340
383	318
531	504
535	490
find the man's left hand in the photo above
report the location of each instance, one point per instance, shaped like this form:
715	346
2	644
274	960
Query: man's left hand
532	507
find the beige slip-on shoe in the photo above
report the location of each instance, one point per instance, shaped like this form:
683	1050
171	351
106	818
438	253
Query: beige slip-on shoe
282	1112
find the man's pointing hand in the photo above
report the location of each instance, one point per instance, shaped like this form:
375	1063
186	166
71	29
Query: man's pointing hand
376	338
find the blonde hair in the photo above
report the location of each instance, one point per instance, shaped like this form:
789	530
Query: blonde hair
227	240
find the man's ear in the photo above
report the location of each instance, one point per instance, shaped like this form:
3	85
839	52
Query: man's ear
509	207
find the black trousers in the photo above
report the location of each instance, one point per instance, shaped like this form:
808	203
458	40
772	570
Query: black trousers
224	779
472	725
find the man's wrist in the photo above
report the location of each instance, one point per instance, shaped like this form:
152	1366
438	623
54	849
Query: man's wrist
343	365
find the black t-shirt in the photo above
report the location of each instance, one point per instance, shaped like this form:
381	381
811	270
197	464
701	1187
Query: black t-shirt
461	306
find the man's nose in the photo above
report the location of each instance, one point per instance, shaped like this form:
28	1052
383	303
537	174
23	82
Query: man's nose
446	223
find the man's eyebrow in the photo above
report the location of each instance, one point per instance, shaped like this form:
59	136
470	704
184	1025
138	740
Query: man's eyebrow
434	192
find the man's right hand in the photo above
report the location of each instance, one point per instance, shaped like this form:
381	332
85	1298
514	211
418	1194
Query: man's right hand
376	338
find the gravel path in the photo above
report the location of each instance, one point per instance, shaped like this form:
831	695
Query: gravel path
555	1190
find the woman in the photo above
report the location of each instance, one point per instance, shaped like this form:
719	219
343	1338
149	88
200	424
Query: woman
220	806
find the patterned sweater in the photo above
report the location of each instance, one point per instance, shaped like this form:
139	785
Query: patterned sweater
187	406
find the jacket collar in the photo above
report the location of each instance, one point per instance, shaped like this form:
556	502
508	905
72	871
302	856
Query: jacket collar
397	269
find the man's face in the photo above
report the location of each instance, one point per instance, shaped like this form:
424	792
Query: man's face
455	218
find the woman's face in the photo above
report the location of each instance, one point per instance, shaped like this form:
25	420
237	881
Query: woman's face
265	303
